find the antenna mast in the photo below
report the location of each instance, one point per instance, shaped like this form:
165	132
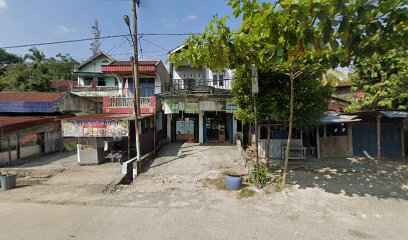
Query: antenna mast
95	43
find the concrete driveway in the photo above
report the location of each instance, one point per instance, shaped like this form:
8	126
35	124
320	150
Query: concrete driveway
184	166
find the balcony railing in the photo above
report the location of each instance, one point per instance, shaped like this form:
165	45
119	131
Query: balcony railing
123	102
94	88
182	84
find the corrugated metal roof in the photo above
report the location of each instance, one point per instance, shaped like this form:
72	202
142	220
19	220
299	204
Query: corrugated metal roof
63	84
30	96
336	118
10	124
395	114
106	116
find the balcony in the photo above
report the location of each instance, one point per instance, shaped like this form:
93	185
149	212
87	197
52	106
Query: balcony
95	91
126	105
198	85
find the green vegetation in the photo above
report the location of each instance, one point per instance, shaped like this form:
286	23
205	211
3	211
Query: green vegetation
36	73
246	193
384	79
263	174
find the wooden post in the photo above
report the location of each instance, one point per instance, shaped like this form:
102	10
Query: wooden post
128	141
402	142
318	142
350	137
379	137
9	150
18	146
268	142
154	134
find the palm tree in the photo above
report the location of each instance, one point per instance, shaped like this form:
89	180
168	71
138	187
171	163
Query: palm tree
35	55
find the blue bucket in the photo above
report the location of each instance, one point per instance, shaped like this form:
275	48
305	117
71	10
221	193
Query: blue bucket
233	182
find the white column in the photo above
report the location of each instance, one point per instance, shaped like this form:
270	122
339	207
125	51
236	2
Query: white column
169	127
200	127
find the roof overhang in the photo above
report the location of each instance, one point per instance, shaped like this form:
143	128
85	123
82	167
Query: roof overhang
336	118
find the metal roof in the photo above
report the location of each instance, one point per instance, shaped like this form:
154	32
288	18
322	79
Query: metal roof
106	116
336	118
30	96
395	114
11	124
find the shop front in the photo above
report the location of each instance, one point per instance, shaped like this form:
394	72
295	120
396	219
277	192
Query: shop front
200	118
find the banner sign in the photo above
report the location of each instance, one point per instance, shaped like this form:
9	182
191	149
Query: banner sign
171	106
191	105
104	128
230	107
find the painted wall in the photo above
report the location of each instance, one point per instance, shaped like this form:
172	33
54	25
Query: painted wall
365	139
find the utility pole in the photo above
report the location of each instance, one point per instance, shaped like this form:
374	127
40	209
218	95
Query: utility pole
136	78
135	64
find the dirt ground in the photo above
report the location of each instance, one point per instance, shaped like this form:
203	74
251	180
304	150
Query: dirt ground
174	199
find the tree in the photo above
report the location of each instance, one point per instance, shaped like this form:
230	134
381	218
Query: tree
35	55
26	78
61	67
384	79
7	59
295	37
311	97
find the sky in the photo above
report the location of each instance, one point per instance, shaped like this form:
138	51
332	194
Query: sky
38	21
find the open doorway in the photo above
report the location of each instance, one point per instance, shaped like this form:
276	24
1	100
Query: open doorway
215	127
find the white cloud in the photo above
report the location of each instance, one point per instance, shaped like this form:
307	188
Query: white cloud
172	23
62	29
189	18
3	4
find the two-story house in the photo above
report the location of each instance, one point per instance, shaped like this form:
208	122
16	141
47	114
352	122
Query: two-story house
198	104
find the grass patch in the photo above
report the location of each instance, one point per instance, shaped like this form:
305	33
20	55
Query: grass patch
246	193
218	183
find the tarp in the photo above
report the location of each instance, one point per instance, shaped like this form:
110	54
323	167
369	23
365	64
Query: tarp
336	118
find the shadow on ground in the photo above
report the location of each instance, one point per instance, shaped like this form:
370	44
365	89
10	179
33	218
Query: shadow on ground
388	179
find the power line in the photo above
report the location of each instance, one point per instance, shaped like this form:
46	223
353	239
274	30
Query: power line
88	39
156	45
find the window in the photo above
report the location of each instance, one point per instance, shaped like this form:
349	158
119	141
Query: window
88	81
101	82
218	79
215	80
221	81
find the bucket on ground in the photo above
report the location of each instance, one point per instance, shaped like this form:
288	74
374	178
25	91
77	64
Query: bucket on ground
233	182
8	181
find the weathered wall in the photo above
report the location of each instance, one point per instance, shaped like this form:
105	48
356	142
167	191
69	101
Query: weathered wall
334	146
276	147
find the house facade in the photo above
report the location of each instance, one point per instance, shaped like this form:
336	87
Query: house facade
198	105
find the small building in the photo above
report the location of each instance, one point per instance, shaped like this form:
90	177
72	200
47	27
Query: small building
24	137
44	103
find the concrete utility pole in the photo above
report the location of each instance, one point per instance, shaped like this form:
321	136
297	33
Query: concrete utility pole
135	74
136	78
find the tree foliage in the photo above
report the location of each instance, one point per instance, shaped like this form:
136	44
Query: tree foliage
7	59
310	100
384	79
36	74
